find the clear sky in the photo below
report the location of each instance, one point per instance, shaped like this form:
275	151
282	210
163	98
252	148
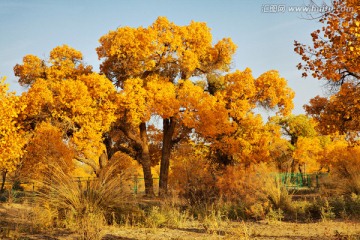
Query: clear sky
265	40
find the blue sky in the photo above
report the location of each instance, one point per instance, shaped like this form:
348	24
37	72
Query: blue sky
265	40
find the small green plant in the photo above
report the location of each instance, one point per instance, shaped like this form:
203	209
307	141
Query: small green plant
156	218
327	212
257	210
300	211
275	215
353	205
339	205
214	221
234	211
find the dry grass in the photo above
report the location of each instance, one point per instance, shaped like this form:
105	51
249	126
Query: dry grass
85	209
66	209
246	230
16	224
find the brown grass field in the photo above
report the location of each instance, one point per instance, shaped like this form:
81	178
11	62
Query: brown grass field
15	223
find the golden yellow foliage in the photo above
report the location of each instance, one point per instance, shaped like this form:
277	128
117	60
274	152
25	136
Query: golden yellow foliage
273	91
163	48
79	103
12	135
247	139
307	152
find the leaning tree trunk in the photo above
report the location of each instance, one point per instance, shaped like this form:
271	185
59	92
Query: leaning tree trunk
169	128
145	162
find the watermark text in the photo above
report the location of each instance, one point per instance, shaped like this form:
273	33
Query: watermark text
311	8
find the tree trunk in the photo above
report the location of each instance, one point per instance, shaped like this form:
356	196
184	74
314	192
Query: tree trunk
145	162
302	173
169	128
293	167
4	172
103	160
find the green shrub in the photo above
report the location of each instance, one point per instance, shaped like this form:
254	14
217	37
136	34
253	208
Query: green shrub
234	211
155	218
327	212
353	205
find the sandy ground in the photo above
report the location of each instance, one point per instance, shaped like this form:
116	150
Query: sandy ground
14	225
249	230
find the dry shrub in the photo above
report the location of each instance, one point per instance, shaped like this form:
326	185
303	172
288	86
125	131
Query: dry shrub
256	188
81	209
193	176
45	148
344	177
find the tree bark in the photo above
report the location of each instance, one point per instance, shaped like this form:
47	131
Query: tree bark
4	172
143	155
169	128
145	161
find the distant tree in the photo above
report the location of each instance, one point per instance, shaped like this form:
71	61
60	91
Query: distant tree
303	138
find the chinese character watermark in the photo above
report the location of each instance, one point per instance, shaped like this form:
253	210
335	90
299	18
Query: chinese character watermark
273	8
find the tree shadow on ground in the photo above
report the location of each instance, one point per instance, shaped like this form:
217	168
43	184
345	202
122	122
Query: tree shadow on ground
113	237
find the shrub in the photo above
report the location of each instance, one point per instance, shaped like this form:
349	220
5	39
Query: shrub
344	177
327	212
155	218
193	177
275	215
255	188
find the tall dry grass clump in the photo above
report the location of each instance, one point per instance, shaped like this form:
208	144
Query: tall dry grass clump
83	207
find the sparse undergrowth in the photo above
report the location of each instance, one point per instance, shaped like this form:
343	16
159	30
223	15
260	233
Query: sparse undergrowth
213	226
100	209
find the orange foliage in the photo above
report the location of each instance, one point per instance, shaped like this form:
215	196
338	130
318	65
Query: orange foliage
192	175
44	151
334	54
338	114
